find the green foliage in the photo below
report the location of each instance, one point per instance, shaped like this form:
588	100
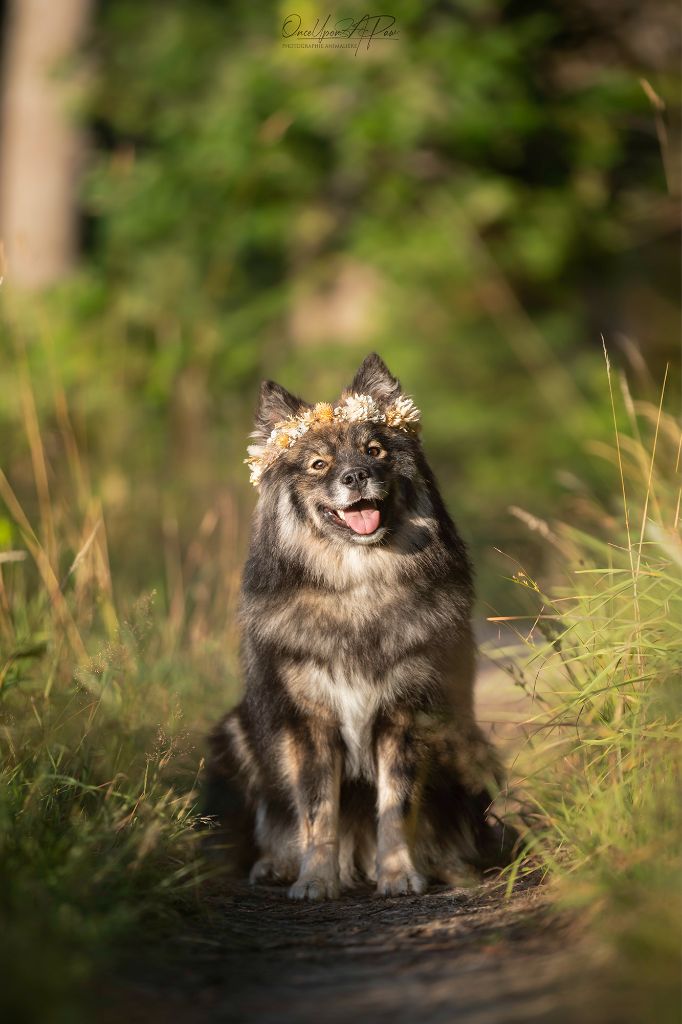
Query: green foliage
470	199
97	802
103	714
600	773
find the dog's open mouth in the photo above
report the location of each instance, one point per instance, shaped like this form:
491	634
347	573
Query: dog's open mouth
361	517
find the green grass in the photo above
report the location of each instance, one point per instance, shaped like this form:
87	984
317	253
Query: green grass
104	702
103	707
601	658
97	807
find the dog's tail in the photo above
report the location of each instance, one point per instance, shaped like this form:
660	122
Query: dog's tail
461	822
496	842
225	809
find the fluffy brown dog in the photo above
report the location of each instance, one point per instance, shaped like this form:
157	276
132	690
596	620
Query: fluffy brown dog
354	753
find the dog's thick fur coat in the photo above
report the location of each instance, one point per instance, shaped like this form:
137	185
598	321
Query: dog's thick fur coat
354	752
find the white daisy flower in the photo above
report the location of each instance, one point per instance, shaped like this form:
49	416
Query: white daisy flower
401	414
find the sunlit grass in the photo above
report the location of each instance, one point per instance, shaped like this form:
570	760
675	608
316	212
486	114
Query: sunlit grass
103	707
600	656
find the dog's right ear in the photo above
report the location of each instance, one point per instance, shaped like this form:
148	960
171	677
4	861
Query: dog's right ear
275	404
374	378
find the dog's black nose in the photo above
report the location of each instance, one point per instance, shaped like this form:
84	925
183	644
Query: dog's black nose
355	478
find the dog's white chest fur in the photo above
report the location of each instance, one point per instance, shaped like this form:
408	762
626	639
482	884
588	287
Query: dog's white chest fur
354	702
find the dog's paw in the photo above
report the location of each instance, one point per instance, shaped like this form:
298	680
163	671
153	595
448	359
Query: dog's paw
314	889
262	871
349	879
400	883
268	869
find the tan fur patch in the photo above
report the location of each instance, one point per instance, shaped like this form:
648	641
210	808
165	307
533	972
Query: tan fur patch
242	749
393	853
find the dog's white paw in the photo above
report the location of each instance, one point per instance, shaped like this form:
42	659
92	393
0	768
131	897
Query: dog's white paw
400	883
262	871
268	870
314	889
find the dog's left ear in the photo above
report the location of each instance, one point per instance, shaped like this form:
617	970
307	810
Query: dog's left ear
374	378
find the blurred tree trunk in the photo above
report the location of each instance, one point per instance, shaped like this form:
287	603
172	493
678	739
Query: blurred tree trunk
41	145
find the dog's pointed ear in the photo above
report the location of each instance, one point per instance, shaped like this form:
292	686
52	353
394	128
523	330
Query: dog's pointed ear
275	404
374	378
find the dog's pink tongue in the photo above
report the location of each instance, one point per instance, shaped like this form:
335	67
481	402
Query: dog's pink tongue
364	520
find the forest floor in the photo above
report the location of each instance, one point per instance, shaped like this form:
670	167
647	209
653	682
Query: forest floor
451	955
471	955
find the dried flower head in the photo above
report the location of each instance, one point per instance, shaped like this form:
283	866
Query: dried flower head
401	414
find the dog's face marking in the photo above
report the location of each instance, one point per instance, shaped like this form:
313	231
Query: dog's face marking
351	484
343	480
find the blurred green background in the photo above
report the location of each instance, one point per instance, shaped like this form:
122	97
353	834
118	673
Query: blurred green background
479	200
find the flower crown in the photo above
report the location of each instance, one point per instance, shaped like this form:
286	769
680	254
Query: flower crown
402	413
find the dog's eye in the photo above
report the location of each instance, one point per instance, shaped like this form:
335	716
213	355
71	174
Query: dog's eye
318	464
374	450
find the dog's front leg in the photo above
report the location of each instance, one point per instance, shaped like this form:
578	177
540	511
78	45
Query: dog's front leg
397	794
313	756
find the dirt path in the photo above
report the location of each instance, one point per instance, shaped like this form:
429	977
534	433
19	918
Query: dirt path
453	954
466	955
